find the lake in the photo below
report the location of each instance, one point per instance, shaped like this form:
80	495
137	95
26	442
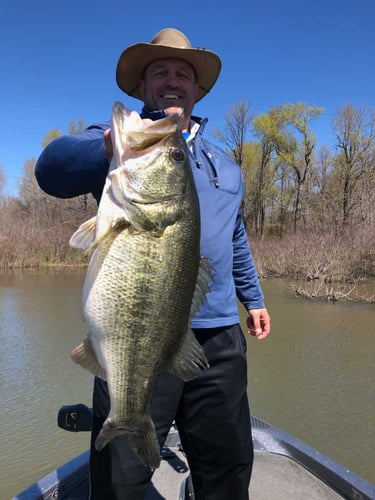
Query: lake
313	377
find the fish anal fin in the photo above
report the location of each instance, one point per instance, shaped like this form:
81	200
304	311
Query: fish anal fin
107	433
142	440
85	356
190	360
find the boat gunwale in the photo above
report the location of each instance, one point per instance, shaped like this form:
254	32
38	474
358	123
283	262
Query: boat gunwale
73	475
270	439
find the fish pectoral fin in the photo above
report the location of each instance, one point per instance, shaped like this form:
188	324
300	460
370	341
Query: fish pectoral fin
85	356
202	286
116	227
190	360
84	237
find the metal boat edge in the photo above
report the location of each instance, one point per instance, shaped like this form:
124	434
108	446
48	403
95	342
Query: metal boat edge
268	438
73	476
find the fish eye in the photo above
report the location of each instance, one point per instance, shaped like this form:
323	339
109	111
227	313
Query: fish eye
177	154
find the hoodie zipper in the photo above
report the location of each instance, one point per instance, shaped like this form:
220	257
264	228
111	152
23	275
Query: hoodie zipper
213	169
198	163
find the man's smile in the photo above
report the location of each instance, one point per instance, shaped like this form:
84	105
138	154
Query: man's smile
170	96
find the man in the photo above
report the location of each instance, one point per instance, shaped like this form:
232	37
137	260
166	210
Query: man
211	412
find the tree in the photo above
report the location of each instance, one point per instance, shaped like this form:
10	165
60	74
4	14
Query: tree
265	127
296	152
76	127
251	154
354	130
50	136
2	183
237	126
29	193
322	196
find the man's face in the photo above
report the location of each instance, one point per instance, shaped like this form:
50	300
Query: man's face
168	84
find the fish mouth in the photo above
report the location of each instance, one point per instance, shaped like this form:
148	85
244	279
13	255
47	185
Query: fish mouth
157	200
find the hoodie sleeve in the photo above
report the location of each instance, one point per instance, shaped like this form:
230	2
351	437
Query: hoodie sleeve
245	275
74	165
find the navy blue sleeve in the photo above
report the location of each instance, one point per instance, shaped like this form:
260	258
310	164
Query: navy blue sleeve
74	165
245	275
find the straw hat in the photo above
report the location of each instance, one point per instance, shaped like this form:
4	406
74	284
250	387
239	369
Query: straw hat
168	42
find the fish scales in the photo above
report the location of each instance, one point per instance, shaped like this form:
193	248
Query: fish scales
140	286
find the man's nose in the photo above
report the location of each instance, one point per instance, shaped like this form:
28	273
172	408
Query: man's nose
173	81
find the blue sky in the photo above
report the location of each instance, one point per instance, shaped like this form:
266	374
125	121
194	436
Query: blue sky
58	60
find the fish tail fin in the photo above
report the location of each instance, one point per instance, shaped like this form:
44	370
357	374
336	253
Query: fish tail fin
145	444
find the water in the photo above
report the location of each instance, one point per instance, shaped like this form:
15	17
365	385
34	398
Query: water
313	377
40	322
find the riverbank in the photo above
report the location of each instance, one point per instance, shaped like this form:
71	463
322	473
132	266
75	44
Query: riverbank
331	267
321	267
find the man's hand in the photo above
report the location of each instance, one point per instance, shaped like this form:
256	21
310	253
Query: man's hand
108	148
259	323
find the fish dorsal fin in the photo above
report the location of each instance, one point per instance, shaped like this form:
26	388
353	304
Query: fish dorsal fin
84	237
202	287
190	360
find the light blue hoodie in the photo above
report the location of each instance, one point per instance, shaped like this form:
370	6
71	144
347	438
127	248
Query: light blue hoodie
75	165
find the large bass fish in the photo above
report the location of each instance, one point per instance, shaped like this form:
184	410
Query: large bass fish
145	277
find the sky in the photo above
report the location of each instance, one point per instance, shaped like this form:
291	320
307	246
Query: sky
58	60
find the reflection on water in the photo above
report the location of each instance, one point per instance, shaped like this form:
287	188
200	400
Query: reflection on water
40	322
313	377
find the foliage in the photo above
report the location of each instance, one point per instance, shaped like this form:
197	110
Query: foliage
35	228
50	136
310	213
290	184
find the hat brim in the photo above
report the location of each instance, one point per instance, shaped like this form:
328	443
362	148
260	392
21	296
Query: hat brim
134	60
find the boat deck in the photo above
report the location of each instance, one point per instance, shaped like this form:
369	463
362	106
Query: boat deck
274	477
277	476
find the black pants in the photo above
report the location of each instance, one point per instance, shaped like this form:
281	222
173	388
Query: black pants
212	416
